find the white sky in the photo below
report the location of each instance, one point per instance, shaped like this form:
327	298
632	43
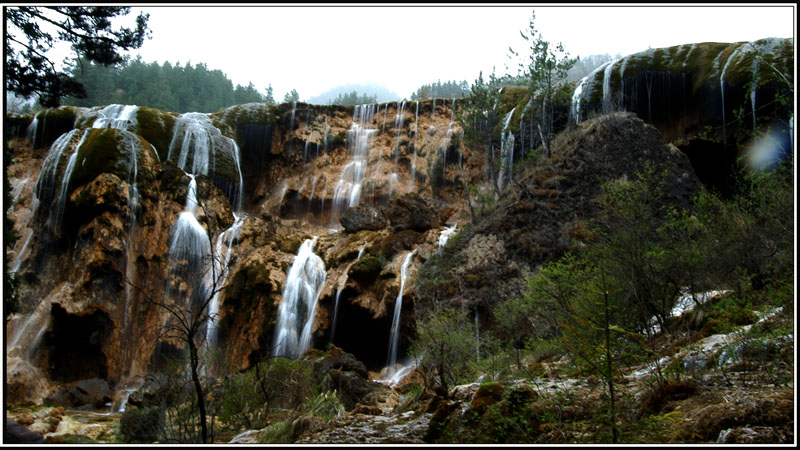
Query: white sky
315	48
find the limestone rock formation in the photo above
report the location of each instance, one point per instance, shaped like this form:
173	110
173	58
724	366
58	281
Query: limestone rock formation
124	212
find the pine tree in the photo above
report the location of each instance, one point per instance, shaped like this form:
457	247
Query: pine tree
29	70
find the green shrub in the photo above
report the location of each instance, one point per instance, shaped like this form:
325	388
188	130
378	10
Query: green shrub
277	433
243	405
140	425
326	405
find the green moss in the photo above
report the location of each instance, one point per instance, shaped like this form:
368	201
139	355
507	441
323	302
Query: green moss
700	62
16	124
105	150
53	123
63	115
156	127
230	120
366	269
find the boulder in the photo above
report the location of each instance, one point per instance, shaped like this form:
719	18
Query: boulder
362	217
85	395
347	375
15	433
351	387
411	211
338	359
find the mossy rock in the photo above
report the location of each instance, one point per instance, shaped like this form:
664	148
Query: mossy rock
106	150
231	119
156	127
52	123
17	124
366	270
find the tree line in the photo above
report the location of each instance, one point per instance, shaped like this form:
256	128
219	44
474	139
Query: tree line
448	89
178	88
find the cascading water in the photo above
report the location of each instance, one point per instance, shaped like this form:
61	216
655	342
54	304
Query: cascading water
416	140
722	89
506	152
348	189
607	103
399	120
189	251
33	128
296	312
217	277
445	235
291	121
120	117
197	145
394	337
46	183
44	190
576	100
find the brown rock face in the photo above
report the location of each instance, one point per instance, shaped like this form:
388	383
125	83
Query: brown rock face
362	217
90	289
411	212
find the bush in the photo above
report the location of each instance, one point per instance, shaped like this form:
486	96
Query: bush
140	425
243	405
445	347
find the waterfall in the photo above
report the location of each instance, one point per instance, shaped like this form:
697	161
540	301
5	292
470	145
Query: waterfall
722	88
296	312
416	140
132	142
120	117
398	305
336	311
444	236
506	152
46	183
222	258
196	146
398	125
33	128
291	121
607	106
189	248
62	193
348	189
576	101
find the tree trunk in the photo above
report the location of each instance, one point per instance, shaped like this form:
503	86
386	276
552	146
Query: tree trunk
201	405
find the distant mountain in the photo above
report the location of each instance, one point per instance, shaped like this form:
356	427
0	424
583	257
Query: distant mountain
383	94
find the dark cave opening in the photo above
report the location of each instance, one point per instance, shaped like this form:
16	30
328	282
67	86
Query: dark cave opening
361	334
713	163
73	344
